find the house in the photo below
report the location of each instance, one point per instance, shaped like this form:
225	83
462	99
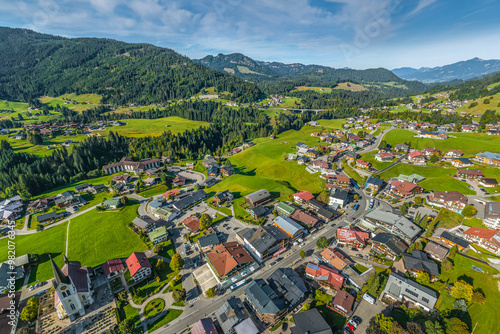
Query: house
337	181
306	219
138	266
489	158
342	303
310	322
363	164
192	223
404	289
171	193
432	135
453	240
289	226
384	157
112	203
488	182
82	188
179	181
258	197
314	204
302	197
401	190
227	259
338	196
189	200
69	198
226	170
113	268
394	224
40	204
122	179
158	235
453	154
436	251
320	165
335	259
165	213
97	188
430	151
233	318
402	148
461	162
212	171
326	214
127	165
208	242
73	289
374	184
223	196
350	157
209	161
418	262
264	241
470	174
50	217
492	215
413	178
313	154
302	160
285	209
257	211
417	158
489	239
11	209
451	200
387	245
144	223
204	326
326	277
352	237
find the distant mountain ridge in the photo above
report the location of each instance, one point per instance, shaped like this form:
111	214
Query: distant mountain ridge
255	70
462	70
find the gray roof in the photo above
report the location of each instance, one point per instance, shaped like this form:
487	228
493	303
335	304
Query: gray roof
143	221
433	248
325	212
418	260
404	225
247	326
400	286
209	240
454	239
262	238
392	242
310	322
288	225
265	299
230	314
50	215
339	194
258	195
492	210
258	210
189	200
489	155
288	284
375	181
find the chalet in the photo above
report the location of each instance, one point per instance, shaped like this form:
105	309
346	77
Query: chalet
374	184
82	188
352	237
223	196
384	157
489	239
401	190
451	200
313	154
113	268
285	209
227	259
258	197
402	148
452	240
492	215
403	289
41	204
301	145
392	223
430	151
208	242
417	158
138	266
326	277
212	171
320	165
461	162
436	251
192	224
226	170
305	218
492	159
97	188
302	197
144	223
310	322
209	161
204	326
388	245
123	179
335	259
418	262
342	303
50	217
351	157
470	174
112	203
337	181
178	181
363	164
289	226
158	235
432	135
488	182
326	214
165	213
127	165
264	241
69	198
302	160
453	154
257	211
315	205
151	181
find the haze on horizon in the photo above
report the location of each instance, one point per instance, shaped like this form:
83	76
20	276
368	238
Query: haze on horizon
339	33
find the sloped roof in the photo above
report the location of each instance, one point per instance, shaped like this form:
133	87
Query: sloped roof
433	248
264	297
310	322
204	326
227	256
392	242
397	286
192	223
333	258
344	299
137	261
288	284
304	195
287	225
454	239
418	260
112	266
323	273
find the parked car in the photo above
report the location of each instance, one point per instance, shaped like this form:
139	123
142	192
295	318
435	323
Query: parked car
357	319
272	263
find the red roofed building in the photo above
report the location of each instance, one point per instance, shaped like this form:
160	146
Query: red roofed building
489	239
320	165
138	266
337	181
336	259
302	197
363	164
326	277
192	223
342	303
171	193
227	259
113	268
404	189
352	237
416	157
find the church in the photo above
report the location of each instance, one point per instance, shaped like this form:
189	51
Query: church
72	289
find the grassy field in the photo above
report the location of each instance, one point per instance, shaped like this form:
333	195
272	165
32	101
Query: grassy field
437	178
448	219
22	145
316	89
469	143
165	319
16	106
155	190
481	106
71	186
351	86
370	157
97	237
330	123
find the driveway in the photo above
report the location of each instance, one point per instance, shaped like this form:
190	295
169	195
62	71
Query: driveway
366	311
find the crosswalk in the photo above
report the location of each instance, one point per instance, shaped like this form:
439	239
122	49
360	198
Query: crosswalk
194	300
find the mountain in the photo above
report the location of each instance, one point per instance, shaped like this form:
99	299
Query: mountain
253	70
463	70
35	64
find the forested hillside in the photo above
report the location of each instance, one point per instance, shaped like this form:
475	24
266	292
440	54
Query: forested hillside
471	89
35	64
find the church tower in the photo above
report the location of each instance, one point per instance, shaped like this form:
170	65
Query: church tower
67	302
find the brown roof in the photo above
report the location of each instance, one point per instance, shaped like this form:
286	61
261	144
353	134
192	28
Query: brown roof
344	299
471	172
333	257
227	256
433	248
404	188
451	196
482	233
305	218
112	265
192	223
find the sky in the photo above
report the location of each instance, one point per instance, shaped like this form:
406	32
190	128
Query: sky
339	33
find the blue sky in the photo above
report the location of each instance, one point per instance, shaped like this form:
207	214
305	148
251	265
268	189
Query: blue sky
339	33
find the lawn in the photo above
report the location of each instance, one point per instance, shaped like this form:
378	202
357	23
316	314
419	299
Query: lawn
437	178
131	313
222	209
335	320
150	127
97	237
370	157
486	315
481	107
23	145
154	307
474	222
360	268
331	123
353	174
170	315
16	106
71	186
155	190
448	219
144	289
168	249
316	89
469	143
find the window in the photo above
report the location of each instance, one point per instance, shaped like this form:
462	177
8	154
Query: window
83	297
411	292
64	294
72	307
68	292
425	299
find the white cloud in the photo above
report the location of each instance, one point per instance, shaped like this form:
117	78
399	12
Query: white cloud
422	4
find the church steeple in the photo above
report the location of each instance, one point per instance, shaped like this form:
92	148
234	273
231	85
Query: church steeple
58	274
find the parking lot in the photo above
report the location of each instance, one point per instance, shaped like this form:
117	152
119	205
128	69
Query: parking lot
366	311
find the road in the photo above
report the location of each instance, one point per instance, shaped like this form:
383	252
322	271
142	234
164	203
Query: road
375	145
